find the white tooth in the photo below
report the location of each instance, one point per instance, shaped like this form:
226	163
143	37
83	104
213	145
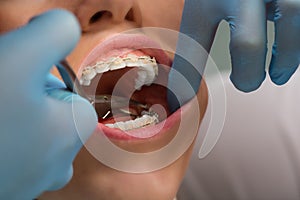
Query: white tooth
120	125
143	60
88	73
84	82
150	75
131	64
145	120
111	59
128	125
153	60
148	69
146	76
140	122
101	67
131	60
110	125
140	80
117	64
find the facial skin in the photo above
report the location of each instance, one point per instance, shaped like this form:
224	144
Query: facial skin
92	179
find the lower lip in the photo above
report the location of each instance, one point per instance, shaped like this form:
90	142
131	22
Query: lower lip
146	132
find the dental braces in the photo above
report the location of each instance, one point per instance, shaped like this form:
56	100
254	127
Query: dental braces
129	58
143	115
148	118
147	64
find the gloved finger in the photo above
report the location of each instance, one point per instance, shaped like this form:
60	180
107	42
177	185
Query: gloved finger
190	60
286	49
52	82
44	41
80	107
72	118
56	89
248	45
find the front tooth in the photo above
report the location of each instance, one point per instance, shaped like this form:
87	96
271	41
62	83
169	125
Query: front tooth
151	73
146	76
128	125
140	122
89	73
148	69
84	82
120	125
117	64
142	60
140	80
101	67
110	125
131	60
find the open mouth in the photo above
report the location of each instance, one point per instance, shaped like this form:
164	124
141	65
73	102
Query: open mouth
134	68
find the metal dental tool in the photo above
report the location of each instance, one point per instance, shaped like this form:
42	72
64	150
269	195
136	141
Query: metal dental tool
105	104
102	103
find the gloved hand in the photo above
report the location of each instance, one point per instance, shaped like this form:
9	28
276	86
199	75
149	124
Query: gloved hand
42	127
248	44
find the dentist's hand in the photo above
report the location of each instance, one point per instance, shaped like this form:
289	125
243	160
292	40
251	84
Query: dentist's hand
248	44
42	127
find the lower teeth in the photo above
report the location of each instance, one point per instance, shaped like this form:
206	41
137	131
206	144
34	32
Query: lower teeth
148	118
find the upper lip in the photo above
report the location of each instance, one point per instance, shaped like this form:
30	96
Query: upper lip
126	41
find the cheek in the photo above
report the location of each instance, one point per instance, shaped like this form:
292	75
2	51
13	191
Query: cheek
75	57
17	13
82	49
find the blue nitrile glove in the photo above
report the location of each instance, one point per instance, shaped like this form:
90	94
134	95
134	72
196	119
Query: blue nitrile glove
248	44
42	128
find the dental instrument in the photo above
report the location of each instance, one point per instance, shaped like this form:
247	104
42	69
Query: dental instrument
105	104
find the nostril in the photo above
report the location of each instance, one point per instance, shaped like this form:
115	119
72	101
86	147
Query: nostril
99	15
130	15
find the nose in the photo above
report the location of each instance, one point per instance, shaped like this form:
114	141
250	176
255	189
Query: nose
95	14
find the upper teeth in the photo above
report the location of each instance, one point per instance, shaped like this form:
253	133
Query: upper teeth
148	69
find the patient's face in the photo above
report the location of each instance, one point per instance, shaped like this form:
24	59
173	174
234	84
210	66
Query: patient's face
100	19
